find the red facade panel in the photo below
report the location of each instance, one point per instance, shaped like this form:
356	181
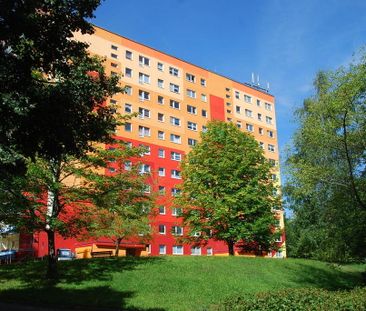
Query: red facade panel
217	108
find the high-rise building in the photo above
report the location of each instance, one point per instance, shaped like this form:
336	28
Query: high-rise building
174	100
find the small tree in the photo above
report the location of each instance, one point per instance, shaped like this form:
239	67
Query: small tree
121	204
227	192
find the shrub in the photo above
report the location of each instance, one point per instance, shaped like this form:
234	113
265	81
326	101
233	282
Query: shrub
309	299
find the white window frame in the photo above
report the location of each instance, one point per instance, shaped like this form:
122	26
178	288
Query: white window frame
192	126
128	72
144	131
162	249
144	95
161	153
175	156
195	251
144	61
161	83
144	78
174	104
160	66
144	113
249	113
191	93
161	171
176	248
175	211
174	88
175	138
177	230
174	71
161	135
162	210
128	55
163	227
175	174
192	109
175	121
190	77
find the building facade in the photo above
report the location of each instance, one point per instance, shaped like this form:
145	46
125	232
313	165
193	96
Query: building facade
174	100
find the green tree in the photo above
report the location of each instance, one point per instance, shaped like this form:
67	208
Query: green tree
326	167
122	206
52	104
227	191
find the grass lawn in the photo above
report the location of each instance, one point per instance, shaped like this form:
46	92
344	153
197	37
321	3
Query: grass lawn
166	283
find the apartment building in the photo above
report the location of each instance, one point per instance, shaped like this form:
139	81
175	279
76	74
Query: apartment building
174	100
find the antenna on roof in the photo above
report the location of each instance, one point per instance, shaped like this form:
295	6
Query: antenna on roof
252	77
258	80
267	86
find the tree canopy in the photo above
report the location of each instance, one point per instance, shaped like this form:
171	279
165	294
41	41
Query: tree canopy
227	191
326	168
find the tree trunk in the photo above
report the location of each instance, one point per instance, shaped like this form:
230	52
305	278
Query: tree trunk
117	247
230	245
52	260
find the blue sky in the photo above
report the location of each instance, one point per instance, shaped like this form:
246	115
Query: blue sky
284	41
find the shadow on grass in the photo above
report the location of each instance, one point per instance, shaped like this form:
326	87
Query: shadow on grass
329	277
70	290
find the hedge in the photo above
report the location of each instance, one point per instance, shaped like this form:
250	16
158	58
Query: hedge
308	299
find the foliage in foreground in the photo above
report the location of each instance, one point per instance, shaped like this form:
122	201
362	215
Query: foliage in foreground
326	169
227	191
307	299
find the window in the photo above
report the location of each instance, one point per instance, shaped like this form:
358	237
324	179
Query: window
177	250
191	93
174	121
177	230
174	104
161	190
161	153
190	77
174	71
204	98
176	211
147	149
227	89
191	109
175	192
161	117
196	251
144	78
274	177
128	108
143	95
144	131
128	165
175	174
271	148
128	72
268	106
144	61
114	47
161	171
249	127
261	144
227	96
203	82
258	103
175	156
113	102
261	131
147	189
175	138
237	109
162	229
272	162
128	55
114	55
162	249
247	99
162	210
128	127
238	124
204	113
192	126
248	113
128	90
204	128
161	83
259	115
268	120
209	251
145	168
160	100
192	142
144	113
112	170
174	88
114	65
237	95
270	134
160	66
161	135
